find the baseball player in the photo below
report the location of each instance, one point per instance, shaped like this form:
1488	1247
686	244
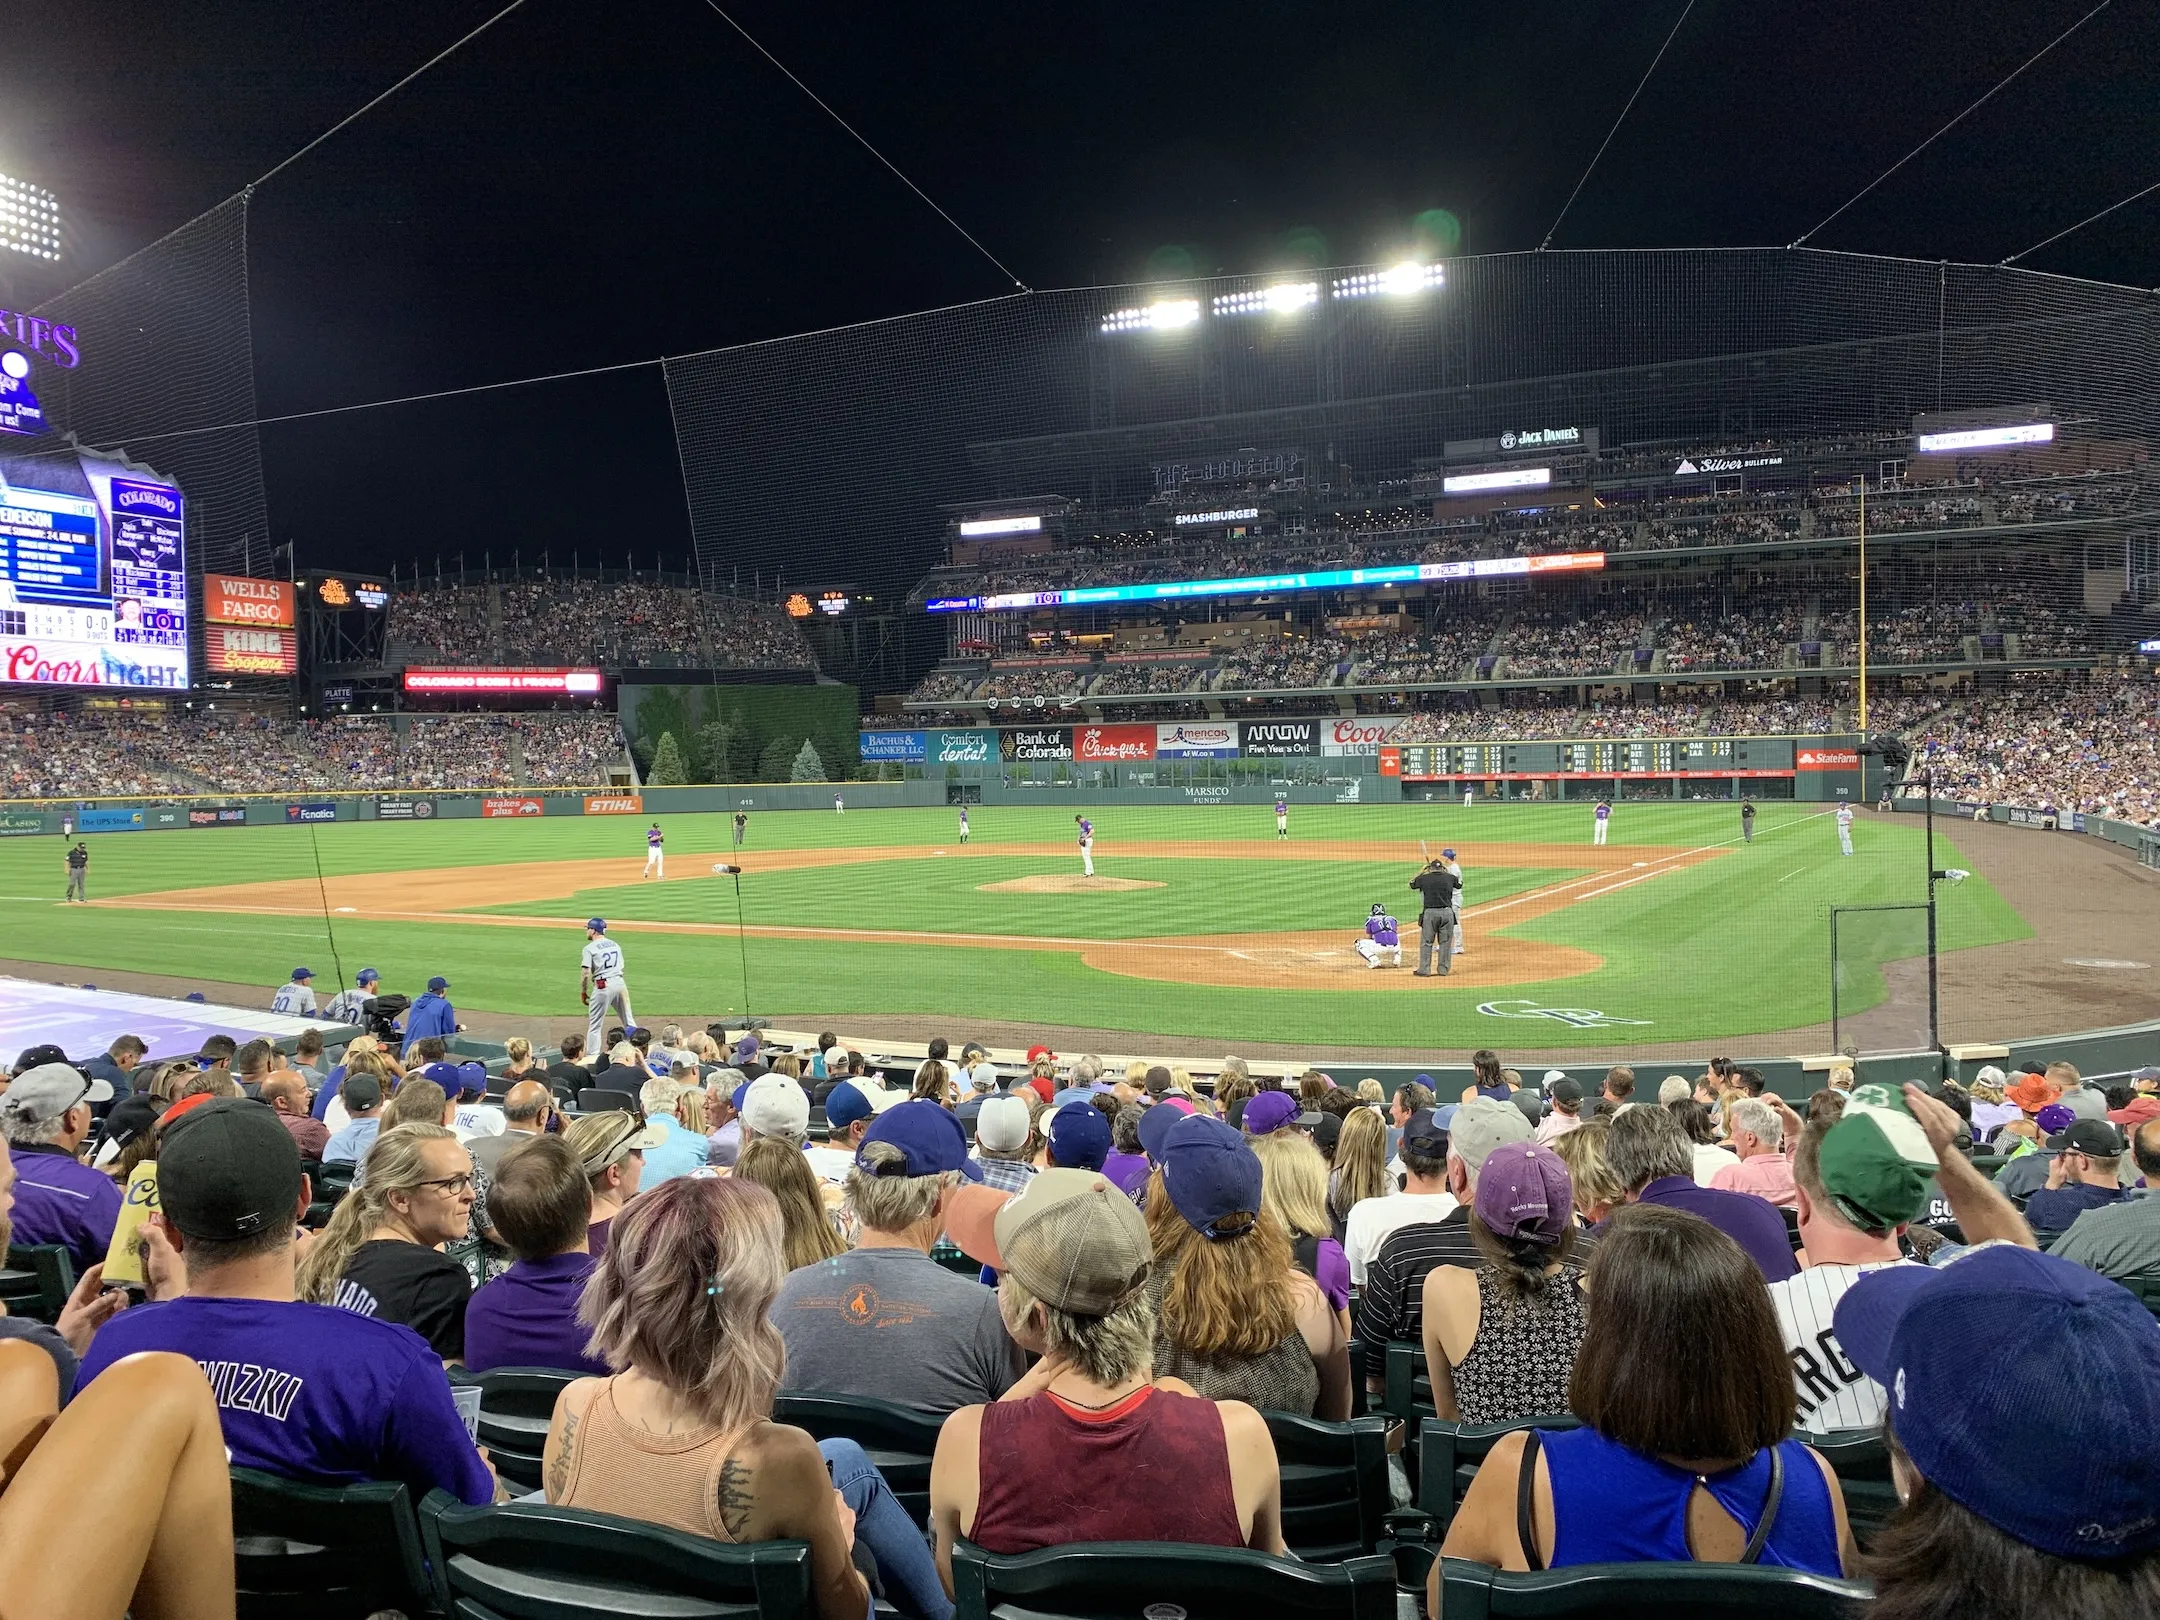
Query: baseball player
349	1006
963	824
296	995
1382	937
1282	816
742	828
1747	821
1448	860
1087	846
602	984
1844	828
67	824
1604	820
1469	797
839	805
78	871
655	857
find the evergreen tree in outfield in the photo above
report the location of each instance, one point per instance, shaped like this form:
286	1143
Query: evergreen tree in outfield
722	745
776	761
667	765
808	767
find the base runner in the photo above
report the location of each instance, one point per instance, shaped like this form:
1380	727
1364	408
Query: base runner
1087	846
1383	938
602	984
655	859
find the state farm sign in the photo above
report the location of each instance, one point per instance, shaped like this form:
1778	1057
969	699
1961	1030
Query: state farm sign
1108	745
1359	734
1827	759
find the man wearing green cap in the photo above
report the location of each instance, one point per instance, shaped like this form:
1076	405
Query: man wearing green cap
1857	1185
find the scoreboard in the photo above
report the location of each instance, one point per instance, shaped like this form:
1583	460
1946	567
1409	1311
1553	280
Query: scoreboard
1658	756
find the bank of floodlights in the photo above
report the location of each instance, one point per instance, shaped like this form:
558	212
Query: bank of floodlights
1285	298
1399	281
1165	316
29	219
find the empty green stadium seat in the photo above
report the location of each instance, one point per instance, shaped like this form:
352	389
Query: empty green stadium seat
1861	1460
2144	1284
1334	1484
533	1561
516	1406
38	1279
1471	1591
1449	1454
898	1439
330	1552
1123	1580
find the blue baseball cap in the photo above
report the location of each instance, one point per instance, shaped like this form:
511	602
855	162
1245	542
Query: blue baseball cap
302	973
458	1080
438	983
1079	1137
367	976
1210	1174
1447	854
597	925
845	1104
929	1138
2005	1340
735	1098
1155	1127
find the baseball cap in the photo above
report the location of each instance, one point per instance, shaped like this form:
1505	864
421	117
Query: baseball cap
597	925
1035	1052
1567	1090
1989	1075
2147	1073
1269	1111
438	983
458	1080
1079	1138
44	1093
774	1105
928	1136
230	1170
33	1056
1424	1135
747	1047
2054	1118
361	1091
1480	1125
2062	1351
1210	1174
1001	1126
300	973
186	1105
367	976
1159	1080
2094	1136
1156	1124
1524	1192
847	1102
1875	1162
1553	1077
600	1139
1327	1131
1069	1237
1447	854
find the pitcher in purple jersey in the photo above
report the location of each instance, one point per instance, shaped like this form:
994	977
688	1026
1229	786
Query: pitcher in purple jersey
1087	846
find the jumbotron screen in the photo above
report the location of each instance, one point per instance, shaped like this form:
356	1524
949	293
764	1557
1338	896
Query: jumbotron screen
93	575
1270	584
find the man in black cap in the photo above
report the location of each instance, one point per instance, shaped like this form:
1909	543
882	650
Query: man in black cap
308	1392
2085	1175
1437	888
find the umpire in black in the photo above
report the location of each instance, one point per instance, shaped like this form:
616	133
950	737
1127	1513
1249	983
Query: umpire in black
1437	888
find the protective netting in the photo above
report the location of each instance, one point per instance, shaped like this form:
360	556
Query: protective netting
168	349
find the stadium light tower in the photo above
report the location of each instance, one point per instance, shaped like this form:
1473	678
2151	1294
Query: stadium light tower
29	220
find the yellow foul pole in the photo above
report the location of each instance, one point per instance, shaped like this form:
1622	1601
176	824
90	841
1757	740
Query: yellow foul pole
1863	602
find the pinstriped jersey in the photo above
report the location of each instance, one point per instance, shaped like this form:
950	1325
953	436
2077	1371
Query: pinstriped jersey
1834	1394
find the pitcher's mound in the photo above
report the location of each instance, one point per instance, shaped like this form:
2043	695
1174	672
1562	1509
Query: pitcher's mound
1067	884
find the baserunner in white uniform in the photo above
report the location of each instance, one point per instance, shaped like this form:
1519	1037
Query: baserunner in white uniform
602	984
1844	828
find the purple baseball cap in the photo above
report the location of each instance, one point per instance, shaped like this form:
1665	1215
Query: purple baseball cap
2053	1118
1269	1111
1210	1173
1524	1192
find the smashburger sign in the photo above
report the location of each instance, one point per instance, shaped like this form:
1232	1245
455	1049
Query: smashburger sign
1359	734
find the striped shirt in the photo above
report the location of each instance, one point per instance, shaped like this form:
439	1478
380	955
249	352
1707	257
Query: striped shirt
1834	1394
1392	1306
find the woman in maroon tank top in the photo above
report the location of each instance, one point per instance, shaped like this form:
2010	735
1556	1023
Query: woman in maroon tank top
1089	1446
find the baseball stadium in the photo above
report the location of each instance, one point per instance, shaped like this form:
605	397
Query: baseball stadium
1404	929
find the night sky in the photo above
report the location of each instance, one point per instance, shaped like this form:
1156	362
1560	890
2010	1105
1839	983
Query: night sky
589	184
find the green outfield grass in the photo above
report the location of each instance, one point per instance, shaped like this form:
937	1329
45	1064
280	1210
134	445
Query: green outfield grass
1728	947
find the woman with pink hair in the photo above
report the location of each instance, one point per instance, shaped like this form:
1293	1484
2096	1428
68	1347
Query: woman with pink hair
681	1433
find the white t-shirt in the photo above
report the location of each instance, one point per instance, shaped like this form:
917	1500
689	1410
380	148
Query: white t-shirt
1710	1160
1834	1394
478	1119
1372	1219
830	1164
603	958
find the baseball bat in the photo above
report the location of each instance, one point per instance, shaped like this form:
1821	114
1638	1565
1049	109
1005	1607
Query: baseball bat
1424	854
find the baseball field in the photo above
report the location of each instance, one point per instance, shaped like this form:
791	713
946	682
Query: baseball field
1200	923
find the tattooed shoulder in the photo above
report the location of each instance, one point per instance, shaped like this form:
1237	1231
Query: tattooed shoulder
735	1498
558	1482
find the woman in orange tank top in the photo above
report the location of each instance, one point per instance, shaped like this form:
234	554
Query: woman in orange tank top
681	1434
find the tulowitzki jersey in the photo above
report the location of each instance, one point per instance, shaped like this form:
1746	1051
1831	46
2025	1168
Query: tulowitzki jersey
1834	1394
603	958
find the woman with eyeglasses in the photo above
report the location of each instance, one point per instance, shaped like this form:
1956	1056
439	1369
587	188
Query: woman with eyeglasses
612	1147
381	1254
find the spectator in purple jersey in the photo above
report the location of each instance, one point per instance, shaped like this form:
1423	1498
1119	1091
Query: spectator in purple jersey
1127	1166
527	1317
45	1116
308	1392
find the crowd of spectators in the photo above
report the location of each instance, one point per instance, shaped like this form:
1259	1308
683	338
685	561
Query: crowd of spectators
1111	1279
568	620
2091	746
87	754
1571	639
